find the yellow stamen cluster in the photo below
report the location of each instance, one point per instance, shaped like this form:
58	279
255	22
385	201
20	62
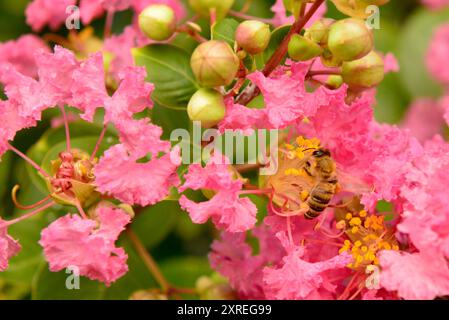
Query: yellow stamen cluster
367	238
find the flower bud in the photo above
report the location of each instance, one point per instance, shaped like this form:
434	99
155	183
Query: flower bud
303	49
214	288
207	106
157	22
151	294
204	7
214	64
329	60
364	73
253	36
319	31
334	81
350	39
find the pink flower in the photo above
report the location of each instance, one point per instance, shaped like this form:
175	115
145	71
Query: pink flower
444	103
426	214
424	119
8	247
120	175
232	257
226	209
91	9
281	16
40	13
416	276
20	53
286	100
88	89
435	4
73	241
437	54
299	279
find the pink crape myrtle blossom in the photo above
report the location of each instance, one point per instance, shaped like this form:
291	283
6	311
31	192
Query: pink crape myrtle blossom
87	244
391	64
20	53
286	100
415	276
436	4
299	279
91	9
40	13
120	175
437	54
426	215
424	119
281	16
8	247
226	209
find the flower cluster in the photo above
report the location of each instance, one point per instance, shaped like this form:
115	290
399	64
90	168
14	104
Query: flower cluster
321	232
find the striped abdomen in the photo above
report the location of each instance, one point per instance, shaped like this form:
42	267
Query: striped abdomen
320	196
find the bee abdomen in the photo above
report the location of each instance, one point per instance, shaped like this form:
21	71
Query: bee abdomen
319	199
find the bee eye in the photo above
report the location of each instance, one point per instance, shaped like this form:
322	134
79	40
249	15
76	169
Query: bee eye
318	153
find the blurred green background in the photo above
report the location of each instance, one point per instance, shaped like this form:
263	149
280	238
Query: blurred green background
179	246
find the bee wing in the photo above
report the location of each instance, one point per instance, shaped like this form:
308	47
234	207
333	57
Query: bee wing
351	183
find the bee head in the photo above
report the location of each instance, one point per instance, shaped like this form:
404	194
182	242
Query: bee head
321	153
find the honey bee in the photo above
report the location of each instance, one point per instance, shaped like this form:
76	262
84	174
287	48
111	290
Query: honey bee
322	168
304	185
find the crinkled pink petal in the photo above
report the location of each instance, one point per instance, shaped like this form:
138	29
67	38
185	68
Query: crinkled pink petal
132	95
8	247
40	13
239	117
226	209
120	175
88	89
426	214
11	123
424	119
298	279
73	241
90	10
281	17
20	53
56	73
417	276
437	54
232	257
436	4
391	64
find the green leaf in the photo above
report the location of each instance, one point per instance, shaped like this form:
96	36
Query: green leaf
168	67
225	30
413	45
5	165
154	223
184	271
277	36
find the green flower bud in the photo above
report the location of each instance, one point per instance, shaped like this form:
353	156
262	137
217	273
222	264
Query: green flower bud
303	49
214	64
253	36
151	294
334	81
157	22
319	31
330	60
364	73
207	106
350	39
357	8
204	7
214	288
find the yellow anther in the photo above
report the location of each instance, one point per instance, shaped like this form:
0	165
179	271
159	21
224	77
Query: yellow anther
395	247
363	213
355	222
348	216
289	146
354	230
364	248
347	243
340	225
358	244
